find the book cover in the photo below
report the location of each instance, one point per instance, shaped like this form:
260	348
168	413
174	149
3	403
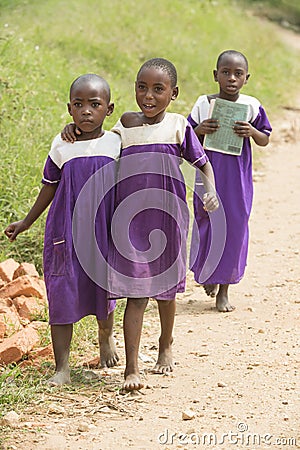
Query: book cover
225	140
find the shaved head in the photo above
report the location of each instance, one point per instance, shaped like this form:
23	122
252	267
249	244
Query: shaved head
92	79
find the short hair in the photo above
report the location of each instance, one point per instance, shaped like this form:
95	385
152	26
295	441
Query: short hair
232	53
164	65
91	77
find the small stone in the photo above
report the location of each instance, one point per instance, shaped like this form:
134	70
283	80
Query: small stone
188	414
83	426
55	409
10	419
220	384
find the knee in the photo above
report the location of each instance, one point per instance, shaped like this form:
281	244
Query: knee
138	303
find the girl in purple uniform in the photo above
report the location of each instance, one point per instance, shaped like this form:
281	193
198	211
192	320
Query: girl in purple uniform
233	181
73	292
150	222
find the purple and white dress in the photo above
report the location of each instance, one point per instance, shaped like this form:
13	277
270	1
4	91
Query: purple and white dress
233	176
150	223
78	227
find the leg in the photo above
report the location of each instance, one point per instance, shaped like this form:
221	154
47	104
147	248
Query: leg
167	310
222	302
133	322
61	340
108	351
211	289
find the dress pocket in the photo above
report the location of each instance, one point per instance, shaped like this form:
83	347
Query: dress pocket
59	256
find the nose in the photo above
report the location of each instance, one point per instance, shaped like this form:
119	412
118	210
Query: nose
232	77
149	93
86	110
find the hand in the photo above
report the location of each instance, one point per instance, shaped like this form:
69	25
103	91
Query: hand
14	229
210	201
208	126
243	129
70	133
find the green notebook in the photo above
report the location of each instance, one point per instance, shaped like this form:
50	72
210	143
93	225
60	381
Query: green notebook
225	140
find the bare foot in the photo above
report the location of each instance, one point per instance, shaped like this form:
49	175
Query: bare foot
60	378
211	289
164	363
108	351
223	304
133	382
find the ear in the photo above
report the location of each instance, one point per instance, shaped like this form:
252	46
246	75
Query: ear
215	74
175	93
69	109
110	109
247	78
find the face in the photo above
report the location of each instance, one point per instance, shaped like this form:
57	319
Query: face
89	105
154	93
231	75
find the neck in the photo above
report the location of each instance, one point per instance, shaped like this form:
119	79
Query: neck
87	136
230	98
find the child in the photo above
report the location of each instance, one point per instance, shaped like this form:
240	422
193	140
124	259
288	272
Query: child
233	179
148	259
72	294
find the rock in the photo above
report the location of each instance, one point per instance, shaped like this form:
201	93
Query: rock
25	269
24	285
7	269
9	321
10	419
28	307
188	414
19	344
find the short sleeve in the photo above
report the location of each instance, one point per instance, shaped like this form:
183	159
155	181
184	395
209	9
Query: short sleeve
192	121
261	122
52	173
191	148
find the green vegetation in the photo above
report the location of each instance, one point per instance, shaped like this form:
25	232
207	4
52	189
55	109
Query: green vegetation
45	45
285	12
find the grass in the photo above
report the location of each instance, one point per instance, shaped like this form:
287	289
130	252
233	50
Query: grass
40	58
45	45
285	12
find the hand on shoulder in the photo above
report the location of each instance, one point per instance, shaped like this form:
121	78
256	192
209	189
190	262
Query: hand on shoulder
131	119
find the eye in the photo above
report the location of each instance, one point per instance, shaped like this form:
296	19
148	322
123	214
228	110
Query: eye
225	72
140	87
158	89
239	74
77	105
96	104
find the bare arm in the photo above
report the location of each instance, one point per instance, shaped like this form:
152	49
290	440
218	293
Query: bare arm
43	200
210	200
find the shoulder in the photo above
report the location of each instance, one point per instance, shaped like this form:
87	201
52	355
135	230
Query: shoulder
131	119
175	117
253	103
112	137
204	99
